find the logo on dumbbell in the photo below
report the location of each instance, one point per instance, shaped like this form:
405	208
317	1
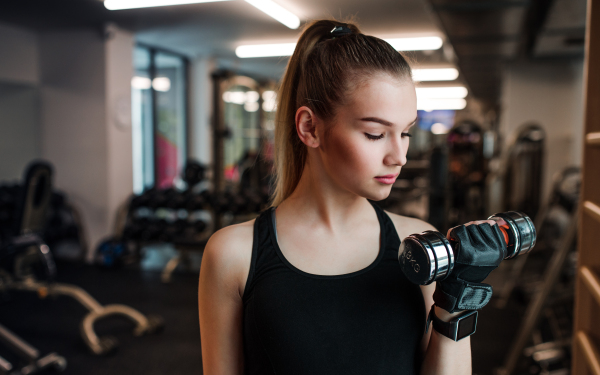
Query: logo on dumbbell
411	261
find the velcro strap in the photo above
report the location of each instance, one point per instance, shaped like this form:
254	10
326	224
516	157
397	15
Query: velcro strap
444	300
474	296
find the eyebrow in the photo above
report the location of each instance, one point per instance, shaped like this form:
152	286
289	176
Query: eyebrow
384	122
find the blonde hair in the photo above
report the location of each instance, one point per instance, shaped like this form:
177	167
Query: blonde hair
318	74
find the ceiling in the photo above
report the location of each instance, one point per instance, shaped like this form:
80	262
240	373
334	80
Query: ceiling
481	35
215	29
488	34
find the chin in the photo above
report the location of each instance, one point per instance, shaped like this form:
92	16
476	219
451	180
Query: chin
377	194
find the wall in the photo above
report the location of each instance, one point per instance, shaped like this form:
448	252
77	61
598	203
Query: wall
19	105
73	121
86	121
550	94
19	129
20	65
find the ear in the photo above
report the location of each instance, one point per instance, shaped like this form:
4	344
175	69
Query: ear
306	128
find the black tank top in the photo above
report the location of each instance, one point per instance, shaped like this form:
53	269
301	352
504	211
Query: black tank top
366	322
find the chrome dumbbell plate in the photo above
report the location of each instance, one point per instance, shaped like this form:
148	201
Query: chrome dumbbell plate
426	257
522	235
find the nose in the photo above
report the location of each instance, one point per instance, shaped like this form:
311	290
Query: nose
396	154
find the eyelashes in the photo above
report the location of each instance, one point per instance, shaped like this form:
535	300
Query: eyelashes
373	137
376	137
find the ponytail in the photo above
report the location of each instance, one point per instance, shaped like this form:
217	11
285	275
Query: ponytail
321	69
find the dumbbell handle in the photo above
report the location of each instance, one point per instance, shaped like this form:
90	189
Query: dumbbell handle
429	256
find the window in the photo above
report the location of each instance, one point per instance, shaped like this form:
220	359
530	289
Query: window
159	100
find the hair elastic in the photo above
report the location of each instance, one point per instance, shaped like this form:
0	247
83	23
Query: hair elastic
339	31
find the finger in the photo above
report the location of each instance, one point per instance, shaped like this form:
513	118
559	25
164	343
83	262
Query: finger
478	222
450	230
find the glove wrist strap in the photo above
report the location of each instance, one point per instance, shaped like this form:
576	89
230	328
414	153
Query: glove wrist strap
470	296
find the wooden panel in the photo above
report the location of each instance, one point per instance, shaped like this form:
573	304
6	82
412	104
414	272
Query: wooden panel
591	281
593	139
586	358
590	352
591	176
592	209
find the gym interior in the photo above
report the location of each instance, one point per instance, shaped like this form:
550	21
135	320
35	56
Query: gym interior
131	131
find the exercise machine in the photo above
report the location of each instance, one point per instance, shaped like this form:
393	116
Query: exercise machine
27	250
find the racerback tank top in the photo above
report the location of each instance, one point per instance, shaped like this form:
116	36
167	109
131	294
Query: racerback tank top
366	322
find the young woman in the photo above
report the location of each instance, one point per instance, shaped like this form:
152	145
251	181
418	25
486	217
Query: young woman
313	285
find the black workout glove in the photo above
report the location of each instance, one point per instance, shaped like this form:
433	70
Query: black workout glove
479	249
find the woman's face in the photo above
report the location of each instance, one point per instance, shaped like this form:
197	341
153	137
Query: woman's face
369	138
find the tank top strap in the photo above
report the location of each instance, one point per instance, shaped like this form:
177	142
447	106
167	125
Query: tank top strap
263	252
392	240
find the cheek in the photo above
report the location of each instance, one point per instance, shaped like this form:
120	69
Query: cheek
351	155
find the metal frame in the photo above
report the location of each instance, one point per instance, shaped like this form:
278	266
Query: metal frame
29	354
143	324
535	307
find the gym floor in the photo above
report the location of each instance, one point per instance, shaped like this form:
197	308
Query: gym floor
52	325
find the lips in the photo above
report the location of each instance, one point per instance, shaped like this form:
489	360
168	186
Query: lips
388	179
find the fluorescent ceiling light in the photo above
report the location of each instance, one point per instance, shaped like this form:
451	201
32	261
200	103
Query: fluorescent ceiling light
236	97
141	83
277	12
252	96
265	50
433	104
132	4
439	128
269	100
161	84
269	95
287	49
446	74
457	92
416	44
251	106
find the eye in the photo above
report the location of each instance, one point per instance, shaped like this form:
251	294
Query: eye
406	135
373	137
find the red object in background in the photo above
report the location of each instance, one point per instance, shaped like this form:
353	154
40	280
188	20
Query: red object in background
232	173
166	162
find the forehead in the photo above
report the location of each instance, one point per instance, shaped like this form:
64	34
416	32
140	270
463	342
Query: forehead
383	96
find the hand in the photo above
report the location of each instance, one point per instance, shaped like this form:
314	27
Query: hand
479	247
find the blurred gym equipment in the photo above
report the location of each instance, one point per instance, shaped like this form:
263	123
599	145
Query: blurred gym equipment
427	257
438	188
28	250
553	219
64	232
242	145
467	168
548	283
524	166
34	362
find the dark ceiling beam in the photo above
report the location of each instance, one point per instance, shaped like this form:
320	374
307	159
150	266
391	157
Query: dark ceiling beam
477	6
534	21
486	34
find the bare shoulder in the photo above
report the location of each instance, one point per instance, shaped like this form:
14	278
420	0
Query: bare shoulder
230	238
406	226
228	253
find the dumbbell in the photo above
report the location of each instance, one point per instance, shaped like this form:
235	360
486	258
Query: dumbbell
429	256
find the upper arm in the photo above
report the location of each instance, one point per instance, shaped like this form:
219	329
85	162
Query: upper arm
406	226
225	265
427	291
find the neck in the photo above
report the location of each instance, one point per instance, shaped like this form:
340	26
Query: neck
322	201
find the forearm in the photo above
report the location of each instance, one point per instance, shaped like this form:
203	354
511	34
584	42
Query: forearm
446	356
